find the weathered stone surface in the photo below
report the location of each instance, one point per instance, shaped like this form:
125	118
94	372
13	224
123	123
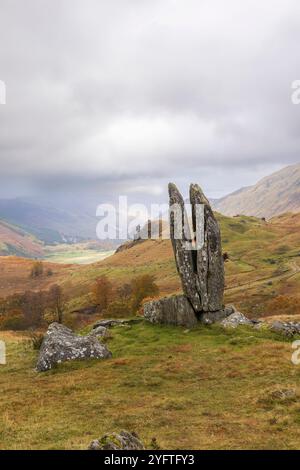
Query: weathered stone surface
175	310
207	318
61	344
288	329
118	441
99	331
202	269
236	319
209	258
199	262
184	257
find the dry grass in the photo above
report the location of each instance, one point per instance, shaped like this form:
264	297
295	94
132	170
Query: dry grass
205	389
264	263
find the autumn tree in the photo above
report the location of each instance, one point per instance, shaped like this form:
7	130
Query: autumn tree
33	305
37	270
102	292
142	287
125	291
57	302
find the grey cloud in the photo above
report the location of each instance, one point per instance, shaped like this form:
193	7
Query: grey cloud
126	93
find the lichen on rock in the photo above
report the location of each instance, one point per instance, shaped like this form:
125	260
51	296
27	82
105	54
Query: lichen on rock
60	344
123	440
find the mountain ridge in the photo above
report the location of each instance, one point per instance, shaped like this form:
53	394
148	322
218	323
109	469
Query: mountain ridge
16	241
273	195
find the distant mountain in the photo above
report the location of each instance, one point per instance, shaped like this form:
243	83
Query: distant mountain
48	224
17	242
273	195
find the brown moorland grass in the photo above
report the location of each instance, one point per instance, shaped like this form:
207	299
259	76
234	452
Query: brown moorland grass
202	389
264	263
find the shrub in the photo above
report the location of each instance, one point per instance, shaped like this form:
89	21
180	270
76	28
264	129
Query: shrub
36	340
102	292
33	306
118	309
142	287
56	302
37	270
14	321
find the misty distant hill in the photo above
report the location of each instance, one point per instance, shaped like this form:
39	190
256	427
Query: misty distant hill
273	195
48	224
18	242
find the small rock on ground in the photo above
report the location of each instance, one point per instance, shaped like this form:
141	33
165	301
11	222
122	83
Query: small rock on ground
288	329
236	319
60	344
118	441
115	322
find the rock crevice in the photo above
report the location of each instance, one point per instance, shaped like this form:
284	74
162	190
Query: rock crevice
199	262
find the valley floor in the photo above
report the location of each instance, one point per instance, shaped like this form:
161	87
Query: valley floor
201	389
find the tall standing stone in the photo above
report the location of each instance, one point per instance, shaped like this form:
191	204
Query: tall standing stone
210	262
179	233
201	270
199	262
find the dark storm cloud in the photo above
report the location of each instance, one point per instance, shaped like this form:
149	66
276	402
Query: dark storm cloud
131	93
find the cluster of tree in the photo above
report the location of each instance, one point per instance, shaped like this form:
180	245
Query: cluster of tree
38	270
126	299
32	309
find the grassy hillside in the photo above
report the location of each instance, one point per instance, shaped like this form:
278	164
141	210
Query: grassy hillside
16	241
15	275
202	389
273	195
48	224
264	265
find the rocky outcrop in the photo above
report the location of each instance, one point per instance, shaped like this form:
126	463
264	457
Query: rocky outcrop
199	262
118	441
288	329
128	245
208	318
60	344
236	319
175	310
110	323
99	332
198	256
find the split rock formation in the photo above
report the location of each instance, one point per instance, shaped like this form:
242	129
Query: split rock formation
199	261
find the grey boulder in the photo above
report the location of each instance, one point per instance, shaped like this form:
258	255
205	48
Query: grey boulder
60	344
175	310
99	332
236	319
201	269
208	318
110	323
118	441
288	329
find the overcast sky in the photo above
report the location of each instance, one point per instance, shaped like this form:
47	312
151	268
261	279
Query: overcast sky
122	96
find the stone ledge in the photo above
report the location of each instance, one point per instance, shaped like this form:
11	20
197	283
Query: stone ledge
175	310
